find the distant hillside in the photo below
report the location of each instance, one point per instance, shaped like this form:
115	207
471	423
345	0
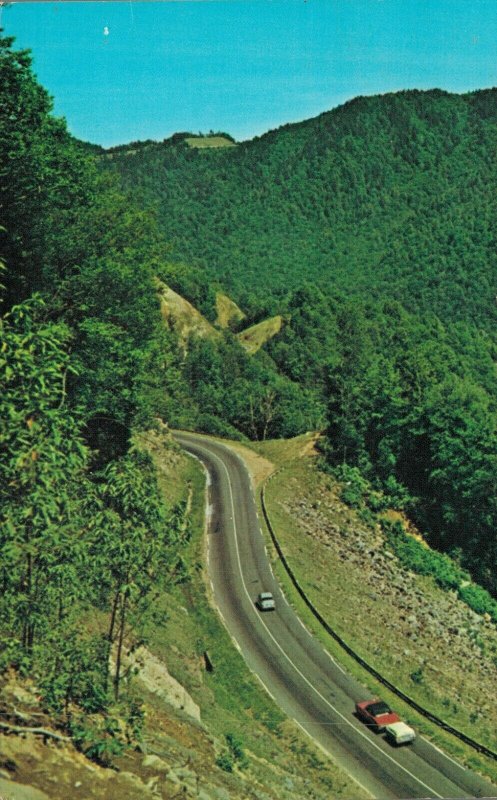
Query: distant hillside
392	195
185	320
373	230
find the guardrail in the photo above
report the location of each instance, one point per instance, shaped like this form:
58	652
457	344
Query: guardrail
343	644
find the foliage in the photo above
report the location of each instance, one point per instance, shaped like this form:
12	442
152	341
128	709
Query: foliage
72	666
98	738
235	754
390	196
372	229
355	486
235	391
419	420
225	762
422	559
448	575
83	361
69	537
235	745
41	480
479	600
69	233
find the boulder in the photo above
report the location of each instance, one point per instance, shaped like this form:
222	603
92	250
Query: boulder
155	763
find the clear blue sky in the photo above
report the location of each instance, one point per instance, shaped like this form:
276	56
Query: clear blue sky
135	70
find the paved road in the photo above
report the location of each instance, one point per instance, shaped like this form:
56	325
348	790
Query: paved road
302	678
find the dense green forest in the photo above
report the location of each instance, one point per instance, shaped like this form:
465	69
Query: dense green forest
388	195
372	228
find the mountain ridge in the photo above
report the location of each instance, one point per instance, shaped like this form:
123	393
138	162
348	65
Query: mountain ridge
352	199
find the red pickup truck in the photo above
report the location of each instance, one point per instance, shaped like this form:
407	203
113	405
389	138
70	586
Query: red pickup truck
376	713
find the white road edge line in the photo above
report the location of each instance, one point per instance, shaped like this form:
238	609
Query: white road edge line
318	744
443	754
337	665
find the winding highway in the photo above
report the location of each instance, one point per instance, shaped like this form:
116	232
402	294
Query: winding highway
298	673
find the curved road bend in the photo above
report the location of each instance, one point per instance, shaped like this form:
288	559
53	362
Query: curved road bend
302	678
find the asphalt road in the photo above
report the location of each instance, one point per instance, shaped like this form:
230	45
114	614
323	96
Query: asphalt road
301	677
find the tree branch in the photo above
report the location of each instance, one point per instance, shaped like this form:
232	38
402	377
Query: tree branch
18	729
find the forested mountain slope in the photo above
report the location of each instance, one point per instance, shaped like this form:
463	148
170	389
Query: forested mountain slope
391	195
372	229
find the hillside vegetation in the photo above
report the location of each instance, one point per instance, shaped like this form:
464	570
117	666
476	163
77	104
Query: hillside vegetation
391	195
372	228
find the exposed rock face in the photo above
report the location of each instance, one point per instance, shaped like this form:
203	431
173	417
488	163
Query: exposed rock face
182	317
227	311
153	673
56	768
253	338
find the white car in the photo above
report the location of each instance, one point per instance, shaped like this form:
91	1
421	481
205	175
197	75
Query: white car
265	601
399	733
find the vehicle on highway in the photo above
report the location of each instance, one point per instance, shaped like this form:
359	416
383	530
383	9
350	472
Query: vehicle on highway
265	601
376	713
399	733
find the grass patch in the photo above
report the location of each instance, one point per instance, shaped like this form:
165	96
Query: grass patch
202	142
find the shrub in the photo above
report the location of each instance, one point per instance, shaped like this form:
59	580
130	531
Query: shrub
414	555
235	745
98	738
417	675
355	486
479	600
396	495
225	761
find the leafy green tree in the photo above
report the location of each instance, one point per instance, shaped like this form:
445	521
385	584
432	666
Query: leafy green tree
130	537
42	475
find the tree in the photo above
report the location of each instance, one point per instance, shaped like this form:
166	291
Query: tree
130	535
42	460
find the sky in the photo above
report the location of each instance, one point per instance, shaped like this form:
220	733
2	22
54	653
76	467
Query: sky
122	71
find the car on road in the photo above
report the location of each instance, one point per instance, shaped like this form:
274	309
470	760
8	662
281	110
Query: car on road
399	733
376	713
265	601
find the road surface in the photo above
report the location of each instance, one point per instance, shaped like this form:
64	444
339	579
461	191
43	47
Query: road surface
301	677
